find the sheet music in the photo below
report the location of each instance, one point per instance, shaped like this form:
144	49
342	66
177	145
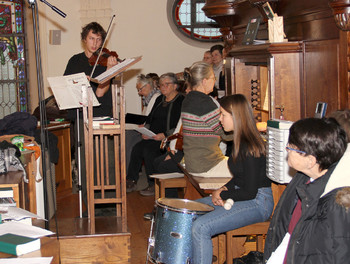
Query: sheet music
68	90
115	70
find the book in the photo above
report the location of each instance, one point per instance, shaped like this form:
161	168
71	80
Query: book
103	120
7	201
68	90
6	192
18	245
109	126
135	119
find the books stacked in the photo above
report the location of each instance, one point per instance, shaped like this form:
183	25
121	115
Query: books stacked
6	197
18	245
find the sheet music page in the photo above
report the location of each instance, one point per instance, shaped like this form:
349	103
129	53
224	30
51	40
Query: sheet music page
67	90
110	73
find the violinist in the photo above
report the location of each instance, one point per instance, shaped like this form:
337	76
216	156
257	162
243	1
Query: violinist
92	36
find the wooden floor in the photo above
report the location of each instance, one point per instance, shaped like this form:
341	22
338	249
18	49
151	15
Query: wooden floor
137	205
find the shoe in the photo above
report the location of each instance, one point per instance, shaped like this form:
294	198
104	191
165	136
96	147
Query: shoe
130	186
148	216
149	191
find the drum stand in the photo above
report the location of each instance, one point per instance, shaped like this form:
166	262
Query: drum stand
150	241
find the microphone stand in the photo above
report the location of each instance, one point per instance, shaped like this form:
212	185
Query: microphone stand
43	117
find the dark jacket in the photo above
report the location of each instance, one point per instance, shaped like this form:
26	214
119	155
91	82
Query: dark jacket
164	116
322	234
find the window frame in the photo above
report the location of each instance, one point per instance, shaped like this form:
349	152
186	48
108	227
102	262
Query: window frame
194	25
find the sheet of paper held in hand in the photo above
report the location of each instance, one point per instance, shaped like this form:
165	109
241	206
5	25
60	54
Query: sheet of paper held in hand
68	90
145	131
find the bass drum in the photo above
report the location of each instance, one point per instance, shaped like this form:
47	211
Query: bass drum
172	232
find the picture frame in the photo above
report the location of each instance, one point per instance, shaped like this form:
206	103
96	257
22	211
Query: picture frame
251	31
268	10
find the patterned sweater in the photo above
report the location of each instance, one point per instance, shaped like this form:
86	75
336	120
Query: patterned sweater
202	132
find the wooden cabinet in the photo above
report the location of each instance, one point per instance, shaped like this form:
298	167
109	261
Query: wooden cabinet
278	70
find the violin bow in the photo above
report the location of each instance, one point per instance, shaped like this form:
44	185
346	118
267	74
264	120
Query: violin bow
101	48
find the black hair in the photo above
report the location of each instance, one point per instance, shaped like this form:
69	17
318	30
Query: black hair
322	138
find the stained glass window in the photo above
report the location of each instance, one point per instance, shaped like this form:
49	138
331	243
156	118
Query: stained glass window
13	80
191	21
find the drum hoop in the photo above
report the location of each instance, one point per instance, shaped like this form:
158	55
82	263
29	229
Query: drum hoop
181	210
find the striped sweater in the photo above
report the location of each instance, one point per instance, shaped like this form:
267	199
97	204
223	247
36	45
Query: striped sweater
202	132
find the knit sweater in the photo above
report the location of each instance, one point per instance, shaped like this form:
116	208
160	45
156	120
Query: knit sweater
202	132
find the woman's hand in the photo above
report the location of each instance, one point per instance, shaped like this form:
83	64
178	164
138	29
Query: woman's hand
159	137
145	137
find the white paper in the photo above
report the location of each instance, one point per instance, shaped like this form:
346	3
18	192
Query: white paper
67	90
15	213
145	131
167	175
23	230
42	260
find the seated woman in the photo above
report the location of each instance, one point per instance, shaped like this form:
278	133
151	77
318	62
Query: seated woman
310	226
250	189
202	131
162	121
147	88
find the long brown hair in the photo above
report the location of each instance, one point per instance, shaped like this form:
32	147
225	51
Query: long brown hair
244	126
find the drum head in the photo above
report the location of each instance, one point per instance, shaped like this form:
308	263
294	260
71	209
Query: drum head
184	205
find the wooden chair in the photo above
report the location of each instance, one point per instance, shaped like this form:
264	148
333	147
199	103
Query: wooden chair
162	184
235	239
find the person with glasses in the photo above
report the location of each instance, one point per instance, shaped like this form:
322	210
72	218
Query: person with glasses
162	120
147	88
249	189
311	222
202	131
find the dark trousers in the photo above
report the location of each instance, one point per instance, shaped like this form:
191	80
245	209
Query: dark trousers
168	166
144	151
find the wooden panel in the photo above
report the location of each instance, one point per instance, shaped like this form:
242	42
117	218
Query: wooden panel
63	168
321	75
287	85
96	249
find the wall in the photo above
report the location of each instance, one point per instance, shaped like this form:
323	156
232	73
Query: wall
139	28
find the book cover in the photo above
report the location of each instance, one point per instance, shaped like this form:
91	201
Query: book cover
135	118
6	192
18	245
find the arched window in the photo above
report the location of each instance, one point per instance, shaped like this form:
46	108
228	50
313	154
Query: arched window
193	23
13	79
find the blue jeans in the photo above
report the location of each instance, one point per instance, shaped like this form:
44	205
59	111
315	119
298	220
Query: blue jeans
241	214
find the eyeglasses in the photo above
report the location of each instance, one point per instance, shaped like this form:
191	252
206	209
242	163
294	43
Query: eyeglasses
296	150
165	84
140	89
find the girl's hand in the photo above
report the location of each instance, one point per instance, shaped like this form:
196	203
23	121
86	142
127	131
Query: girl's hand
216	198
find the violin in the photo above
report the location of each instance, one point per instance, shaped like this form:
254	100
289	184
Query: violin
178	144
103	57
